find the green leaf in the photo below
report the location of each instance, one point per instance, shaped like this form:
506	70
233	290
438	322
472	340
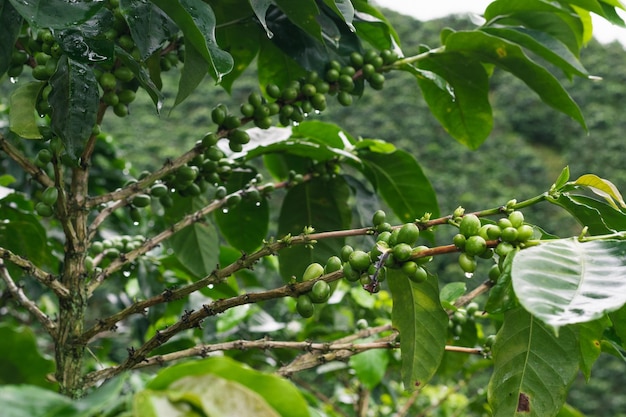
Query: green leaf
274	66
451	291
598	216
192	73
74	101
511	58
56	14
325	133
142	76
618	318
423	327
75	43
279	393
244	226
544	45
31	401
569	411
370	366
462	105
10	24
400	181
196	246
343	8
22	116
303	14
318	203
149	27
532	367
242	42
196	20
565	281
373	27
562	179
260	11
20	359
603	188
590	340
553	18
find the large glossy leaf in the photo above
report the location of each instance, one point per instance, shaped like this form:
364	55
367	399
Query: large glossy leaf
22	117
343	8
511	58
318	203
74	101
56	14
598	216
10	24
260	10
279	393
196	246
76	44
544	45
192	73
31	401
565	281
553	18
423	325
149	27
401	182
373	27
196	20
462	105
532	367
244	226
303	14
21	362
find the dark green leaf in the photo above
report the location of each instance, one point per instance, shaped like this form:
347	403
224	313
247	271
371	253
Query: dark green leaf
317	203
303	14
276	67
532	367
244	226
423	327
565	281
20	359
260	10
462	106
22	116
344	9
619	324
196	246
326	133
142	76
84	49
196	20
278	392
192	73
10	24
450	292
511	58
242	42
370	366
544	45
74	101
149	27
373	26
56	14
590	338
401	182
598	216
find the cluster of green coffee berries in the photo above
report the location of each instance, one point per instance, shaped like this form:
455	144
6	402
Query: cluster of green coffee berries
49	197
508	232
321	290
102	252
462	318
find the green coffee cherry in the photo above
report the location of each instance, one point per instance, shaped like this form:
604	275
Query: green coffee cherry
313	271
320	292
379	217
509	234
494	273
50	196
43	209
345	252
141	200
218	115
470	224
525	232
467	263
475	245
459	241
402	252
349	273
408	234
516	218
304	306
359	260
333	264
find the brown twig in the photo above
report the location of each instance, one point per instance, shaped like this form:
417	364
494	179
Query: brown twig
18	294
28	166
45	278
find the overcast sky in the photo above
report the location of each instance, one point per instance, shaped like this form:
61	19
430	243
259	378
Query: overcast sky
429	9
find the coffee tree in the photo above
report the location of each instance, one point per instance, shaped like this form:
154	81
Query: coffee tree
150	289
